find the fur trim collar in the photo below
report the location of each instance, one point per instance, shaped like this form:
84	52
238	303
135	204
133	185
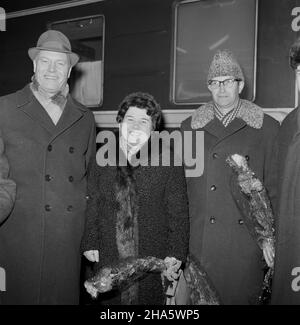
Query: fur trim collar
127	224
250	113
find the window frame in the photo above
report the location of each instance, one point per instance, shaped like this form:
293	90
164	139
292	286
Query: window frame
173	74
49	26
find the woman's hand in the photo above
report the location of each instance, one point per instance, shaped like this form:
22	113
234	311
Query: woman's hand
92	255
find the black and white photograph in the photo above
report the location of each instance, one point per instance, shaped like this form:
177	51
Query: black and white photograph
149	156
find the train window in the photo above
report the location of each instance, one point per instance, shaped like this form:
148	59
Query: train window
87	39
201	28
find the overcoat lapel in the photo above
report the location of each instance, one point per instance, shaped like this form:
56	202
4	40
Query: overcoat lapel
204	118
71	114
27	103
217	129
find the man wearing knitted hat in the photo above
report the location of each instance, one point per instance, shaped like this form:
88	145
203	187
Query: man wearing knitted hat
49	140
219	238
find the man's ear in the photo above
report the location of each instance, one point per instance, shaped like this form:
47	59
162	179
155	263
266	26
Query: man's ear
69	73
241	86
34	65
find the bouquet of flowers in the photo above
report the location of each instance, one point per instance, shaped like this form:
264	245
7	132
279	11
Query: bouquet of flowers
123	275
127	272
259	219
201	289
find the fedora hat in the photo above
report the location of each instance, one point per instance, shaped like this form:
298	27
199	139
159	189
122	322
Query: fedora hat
55	41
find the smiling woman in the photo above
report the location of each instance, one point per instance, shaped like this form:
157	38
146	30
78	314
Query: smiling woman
135	130
136	210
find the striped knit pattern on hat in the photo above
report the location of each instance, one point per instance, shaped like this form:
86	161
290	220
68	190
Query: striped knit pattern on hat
224	64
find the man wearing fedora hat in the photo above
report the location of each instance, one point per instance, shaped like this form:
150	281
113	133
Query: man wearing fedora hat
49	140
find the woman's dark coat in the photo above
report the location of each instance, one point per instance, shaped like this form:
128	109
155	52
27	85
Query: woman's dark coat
40	240
219	238
286	282
162	217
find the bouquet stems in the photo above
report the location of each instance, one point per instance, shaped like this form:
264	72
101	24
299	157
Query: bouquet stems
258	215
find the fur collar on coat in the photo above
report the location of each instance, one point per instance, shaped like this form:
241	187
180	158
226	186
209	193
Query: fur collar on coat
250	113
127	236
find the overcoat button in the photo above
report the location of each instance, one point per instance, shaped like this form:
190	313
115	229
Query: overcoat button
71	179
215	155
213	188
212	219
49	147
70	208
47	207
241	222
48	178
71	149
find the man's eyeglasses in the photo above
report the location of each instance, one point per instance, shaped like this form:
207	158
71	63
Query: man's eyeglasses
227	83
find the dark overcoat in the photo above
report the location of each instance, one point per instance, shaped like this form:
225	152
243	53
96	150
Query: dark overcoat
162	218
7	186
40	240
286	282
219	238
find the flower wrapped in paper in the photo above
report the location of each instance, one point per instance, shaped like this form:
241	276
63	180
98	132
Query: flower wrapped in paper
256	210
127	272
201	289
123	274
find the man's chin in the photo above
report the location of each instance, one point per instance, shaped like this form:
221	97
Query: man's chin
224	104
50	89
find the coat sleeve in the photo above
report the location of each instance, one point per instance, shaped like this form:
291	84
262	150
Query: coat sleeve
178	218
7	186
90	239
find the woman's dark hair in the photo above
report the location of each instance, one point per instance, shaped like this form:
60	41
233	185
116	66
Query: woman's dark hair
141	100
295	54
